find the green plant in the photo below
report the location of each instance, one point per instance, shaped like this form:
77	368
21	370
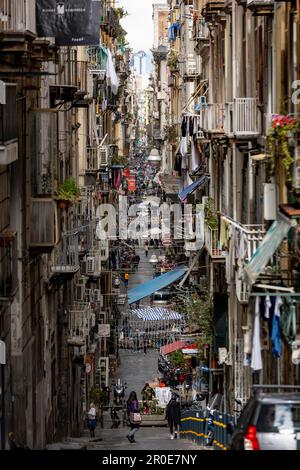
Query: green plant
198	313
121	12
68	191
173	59
209	213
171	133
282	129
177	358
119	160
154	407
96	396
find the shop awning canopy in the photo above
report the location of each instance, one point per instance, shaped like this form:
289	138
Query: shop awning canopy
158	283
272	240
172	347
192	187
156	314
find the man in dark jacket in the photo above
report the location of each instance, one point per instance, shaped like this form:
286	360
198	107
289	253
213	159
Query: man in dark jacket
173	415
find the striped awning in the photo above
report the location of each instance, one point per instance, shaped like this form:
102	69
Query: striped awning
156	314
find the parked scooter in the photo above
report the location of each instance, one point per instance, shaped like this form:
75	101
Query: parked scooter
119	392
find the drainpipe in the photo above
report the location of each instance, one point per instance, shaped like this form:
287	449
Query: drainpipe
234	73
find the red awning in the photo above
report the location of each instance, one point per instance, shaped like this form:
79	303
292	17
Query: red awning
172	347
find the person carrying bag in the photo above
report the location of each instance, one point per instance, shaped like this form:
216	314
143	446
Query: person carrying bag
134	416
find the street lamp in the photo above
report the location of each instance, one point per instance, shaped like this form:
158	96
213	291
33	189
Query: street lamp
154	157
153	259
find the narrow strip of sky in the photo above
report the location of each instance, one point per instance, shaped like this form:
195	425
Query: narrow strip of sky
139	23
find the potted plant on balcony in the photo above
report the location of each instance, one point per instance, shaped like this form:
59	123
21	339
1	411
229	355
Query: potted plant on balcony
68	193
173	60
283	132
119	160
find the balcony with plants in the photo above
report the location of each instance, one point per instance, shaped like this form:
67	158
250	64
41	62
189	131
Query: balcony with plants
211	231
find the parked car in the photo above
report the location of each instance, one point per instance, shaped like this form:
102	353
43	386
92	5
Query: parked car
269	421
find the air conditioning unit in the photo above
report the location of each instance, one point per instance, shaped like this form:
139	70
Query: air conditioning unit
63	93
222	355
80	292
103	156
90	264
97	295
104	250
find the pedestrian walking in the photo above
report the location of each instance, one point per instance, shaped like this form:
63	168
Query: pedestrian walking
146	247
134	417
145	344
92	419
173	415
126	279
147	395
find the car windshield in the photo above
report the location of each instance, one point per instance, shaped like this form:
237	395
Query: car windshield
279	418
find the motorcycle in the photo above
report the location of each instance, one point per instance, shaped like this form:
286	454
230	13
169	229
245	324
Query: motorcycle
119	392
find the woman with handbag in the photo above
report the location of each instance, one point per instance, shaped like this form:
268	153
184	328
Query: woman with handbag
133	413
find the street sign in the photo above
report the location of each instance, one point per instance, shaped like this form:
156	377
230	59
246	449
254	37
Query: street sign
2	353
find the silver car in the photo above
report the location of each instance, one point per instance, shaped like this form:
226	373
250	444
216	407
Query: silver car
269	421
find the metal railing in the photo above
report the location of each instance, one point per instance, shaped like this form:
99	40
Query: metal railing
79	323
92	159
245	116
212	242
17	16
66	256
194	426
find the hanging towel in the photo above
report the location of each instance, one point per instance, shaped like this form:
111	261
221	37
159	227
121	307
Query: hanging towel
183	151
111	73
195	160
276	334
183	126
268	306
256	360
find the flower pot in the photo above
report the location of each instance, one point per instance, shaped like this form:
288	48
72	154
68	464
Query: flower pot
63	204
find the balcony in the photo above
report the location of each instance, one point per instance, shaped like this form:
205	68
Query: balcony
212	118
261	7
43	225
80	323
245	122
190	68
8	124
201	31
228	120
17	16
66	256
212	8
250	237
8	265
212	243
92	160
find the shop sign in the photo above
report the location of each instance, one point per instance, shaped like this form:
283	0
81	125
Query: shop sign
70	22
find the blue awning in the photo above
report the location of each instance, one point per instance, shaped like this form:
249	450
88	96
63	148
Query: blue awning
192	187
158	283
